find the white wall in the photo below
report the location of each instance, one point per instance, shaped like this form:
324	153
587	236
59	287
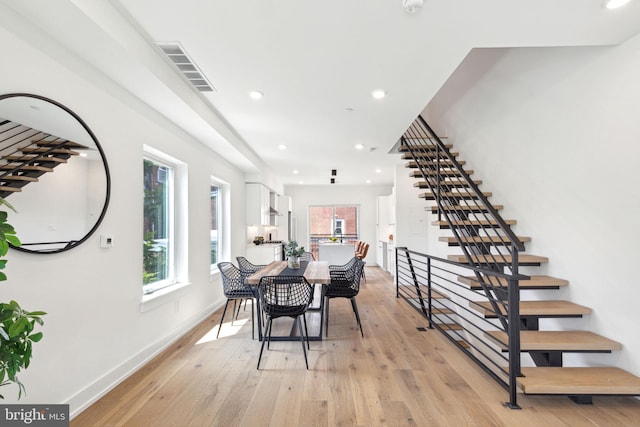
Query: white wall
364	196
95	332
554	134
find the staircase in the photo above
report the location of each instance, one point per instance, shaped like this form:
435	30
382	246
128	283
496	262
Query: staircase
26	154
480	308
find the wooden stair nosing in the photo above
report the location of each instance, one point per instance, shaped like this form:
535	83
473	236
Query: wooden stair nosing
534	282
544	308
523	259
565	341
450	326
579	381
10	189
496	240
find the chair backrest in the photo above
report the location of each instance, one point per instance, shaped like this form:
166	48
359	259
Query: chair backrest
284	295
232	281
247	268
363	251
345	282
359	244
307	256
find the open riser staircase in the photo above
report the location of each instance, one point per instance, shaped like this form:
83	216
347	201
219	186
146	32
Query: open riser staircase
26	154
474	296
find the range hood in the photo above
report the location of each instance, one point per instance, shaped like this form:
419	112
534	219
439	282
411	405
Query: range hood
273	212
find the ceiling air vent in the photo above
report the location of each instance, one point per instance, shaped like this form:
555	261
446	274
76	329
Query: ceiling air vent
185	65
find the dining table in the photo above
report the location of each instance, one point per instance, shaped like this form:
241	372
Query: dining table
316	272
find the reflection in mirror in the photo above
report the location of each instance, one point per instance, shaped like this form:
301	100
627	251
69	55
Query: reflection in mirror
53	171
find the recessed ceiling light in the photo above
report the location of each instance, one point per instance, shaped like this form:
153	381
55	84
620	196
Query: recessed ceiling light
295	172
282	147
301	182
379	93
256	94
378	170
614	4
368	181
359	146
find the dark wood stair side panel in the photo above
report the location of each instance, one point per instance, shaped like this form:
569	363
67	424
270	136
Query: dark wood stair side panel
579	381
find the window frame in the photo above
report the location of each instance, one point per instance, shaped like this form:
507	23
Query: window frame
177	230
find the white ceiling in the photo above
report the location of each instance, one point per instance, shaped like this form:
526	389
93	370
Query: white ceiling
313	61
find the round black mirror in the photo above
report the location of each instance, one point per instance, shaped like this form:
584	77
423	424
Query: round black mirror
53	172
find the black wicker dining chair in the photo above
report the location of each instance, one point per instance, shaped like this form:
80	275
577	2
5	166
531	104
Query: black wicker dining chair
235	289
345	283
284	296
247	268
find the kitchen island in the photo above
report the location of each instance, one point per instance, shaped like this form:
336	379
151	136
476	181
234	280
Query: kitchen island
335	253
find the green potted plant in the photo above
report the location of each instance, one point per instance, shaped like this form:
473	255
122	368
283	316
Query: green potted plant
293	252
17	326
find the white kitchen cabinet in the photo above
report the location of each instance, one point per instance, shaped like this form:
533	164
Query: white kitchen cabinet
391	259
257	204
265	253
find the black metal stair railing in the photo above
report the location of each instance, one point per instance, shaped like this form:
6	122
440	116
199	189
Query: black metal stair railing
429	284
489	246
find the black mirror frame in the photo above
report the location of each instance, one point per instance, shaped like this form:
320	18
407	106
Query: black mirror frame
74	243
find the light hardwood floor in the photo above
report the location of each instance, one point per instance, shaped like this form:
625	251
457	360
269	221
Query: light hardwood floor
395	376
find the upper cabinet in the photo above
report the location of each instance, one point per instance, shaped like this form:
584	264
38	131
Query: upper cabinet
258	204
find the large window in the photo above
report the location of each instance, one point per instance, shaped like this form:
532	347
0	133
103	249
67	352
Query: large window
164	221
158	224
216	229
327	222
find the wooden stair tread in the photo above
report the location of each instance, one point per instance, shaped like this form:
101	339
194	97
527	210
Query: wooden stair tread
434	163
523	259
534	282
40	150
19	178
546	308
463	208
35	158
579	381
451	240
440	310
451	183
10	166
453	195
556	341
403	148
66	144
10	189
444	172
473	223
428	154
450	326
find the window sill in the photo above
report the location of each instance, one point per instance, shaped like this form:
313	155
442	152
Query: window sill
163	296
